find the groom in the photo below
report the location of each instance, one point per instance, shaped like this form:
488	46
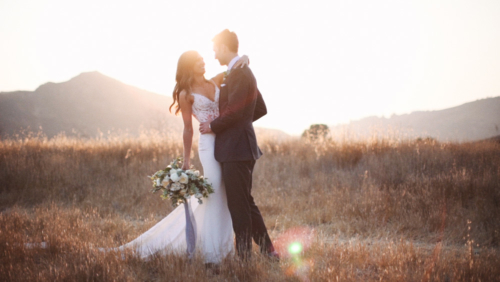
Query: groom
240	103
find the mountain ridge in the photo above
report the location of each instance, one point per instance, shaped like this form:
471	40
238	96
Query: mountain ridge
84	105
91	103
470	121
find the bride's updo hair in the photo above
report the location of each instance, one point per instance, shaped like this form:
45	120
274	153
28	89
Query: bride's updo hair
184	76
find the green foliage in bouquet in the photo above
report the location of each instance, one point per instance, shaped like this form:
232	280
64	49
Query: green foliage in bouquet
178	185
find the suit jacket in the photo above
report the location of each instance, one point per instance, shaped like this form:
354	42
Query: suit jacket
240	104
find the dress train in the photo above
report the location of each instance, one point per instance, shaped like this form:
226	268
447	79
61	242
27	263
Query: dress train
215	239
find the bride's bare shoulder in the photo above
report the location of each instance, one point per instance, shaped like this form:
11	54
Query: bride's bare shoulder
185	96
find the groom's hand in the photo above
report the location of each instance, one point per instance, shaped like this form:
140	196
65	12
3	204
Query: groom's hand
205	127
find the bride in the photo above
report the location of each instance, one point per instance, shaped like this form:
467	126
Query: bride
195	96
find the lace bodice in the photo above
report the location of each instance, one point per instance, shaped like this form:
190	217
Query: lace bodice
204	108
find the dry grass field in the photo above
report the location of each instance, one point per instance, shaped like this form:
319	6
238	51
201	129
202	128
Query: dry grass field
380	210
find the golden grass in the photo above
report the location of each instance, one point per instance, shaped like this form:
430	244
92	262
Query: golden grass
385	210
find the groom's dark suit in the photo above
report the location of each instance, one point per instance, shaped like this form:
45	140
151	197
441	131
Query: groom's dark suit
240	103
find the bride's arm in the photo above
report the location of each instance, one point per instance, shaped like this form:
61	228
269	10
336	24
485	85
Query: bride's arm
187	135
218	79
243	61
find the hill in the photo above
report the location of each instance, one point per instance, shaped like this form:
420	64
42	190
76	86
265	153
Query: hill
89	104
85	105
468	122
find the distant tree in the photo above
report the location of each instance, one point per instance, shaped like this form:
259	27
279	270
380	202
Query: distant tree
316	132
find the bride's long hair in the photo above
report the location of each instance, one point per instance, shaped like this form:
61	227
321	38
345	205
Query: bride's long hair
184	77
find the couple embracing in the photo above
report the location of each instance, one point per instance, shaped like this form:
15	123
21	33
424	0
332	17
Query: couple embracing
226	106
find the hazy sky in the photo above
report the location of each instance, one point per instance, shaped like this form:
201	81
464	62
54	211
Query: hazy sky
315	61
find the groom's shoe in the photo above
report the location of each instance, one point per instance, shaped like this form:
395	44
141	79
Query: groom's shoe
273	256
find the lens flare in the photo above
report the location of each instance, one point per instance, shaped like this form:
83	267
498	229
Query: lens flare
294	241
295	248
293	245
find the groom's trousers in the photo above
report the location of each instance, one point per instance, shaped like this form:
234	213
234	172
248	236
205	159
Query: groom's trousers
245	215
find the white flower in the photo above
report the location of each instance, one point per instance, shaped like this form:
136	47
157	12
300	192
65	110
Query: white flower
198	195
165	181
189	171
176	186
196	173
158	183
173	171
183	178
175	177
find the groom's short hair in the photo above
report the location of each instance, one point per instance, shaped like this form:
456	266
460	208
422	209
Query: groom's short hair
227	38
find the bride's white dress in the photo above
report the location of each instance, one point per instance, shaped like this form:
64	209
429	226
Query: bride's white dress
213	221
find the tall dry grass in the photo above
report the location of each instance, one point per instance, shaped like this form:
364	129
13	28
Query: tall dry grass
386	210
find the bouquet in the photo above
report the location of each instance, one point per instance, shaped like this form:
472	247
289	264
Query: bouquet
178	185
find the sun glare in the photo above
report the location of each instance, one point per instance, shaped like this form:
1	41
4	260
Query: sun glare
295	248
345	60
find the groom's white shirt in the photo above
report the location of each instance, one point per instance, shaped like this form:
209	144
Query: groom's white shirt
233	61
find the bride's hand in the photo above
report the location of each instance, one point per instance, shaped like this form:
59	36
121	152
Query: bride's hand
242	62
185	166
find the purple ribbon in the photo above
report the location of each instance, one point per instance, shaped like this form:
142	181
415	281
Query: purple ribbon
190	230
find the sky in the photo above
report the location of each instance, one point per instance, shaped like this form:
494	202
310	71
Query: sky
315	61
